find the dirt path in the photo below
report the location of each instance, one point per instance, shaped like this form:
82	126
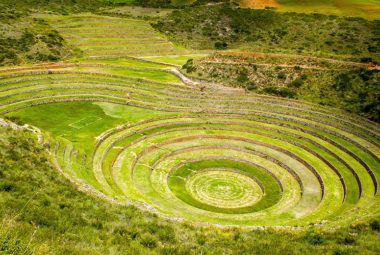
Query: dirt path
370	66
8	124
266	64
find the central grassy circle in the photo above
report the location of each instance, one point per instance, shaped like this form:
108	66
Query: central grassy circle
224	189
226	186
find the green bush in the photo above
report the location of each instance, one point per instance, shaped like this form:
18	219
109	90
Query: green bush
148	240
297	83
282	92
314	237
375	225
220	45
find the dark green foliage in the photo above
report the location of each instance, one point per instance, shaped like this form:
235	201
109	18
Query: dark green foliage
375	225
243	76
12	246
351	88
189	66
348	240
359	91
59	6
219	26
6	187
154	3
281	75
314	237
251	85
220	45
29	40
297	83
342	252
282	92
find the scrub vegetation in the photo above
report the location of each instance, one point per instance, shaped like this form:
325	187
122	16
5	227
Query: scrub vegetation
201	128
226	27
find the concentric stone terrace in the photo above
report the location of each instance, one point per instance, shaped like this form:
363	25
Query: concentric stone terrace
213	155
241	169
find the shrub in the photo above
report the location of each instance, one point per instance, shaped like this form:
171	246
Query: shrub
281	76
148	240
6	186
375	225
282	92
251	85
220	45
243	76
342	252
297	83
314	237
189	66
347	240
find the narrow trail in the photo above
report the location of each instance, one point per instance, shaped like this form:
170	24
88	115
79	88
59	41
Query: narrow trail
201	83
370	66
8	124
266	64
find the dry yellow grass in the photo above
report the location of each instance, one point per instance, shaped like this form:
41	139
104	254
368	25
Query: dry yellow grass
259	3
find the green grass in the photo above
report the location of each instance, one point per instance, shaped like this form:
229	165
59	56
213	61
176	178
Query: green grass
129	62
58	119
44	213
178	60
177	183
151	75
360	8
351	87
271	32
117	179
189	155
130	37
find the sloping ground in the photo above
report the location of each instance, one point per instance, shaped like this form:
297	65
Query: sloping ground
300	162
42	213
259	3
346	85
369	9
107	37
142	133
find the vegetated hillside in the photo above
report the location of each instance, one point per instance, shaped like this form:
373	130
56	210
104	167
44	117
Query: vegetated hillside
27	39
349	86
224	27
364	8
60	6
42	213
356	8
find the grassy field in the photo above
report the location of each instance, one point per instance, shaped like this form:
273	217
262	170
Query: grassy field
369	9
173	165
315	166
43	213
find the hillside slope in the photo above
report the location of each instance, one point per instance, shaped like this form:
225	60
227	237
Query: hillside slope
42	213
